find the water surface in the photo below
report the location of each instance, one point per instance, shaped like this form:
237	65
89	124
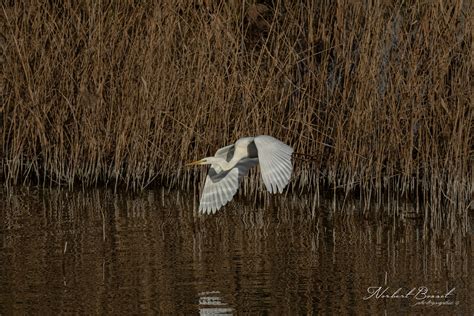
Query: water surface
96	252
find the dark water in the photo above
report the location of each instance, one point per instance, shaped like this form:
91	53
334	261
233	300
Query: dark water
99	253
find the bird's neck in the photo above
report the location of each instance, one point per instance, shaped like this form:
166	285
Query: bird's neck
222	163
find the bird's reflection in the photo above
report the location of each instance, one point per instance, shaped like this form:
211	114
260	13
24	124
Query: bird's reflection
210	303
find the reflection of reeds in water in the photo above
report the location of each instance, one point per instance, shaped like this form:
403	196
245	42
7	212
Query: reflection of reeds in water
378	94
149	253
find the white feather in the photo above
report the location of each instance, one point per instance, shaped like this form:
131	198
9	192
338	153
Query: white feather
275	162
221	187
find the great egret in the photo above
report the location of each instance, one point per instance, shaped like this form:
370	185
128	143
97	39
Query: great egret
232	162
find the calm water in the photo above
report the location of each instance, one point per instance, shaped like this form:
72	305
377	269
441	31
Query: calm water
99	253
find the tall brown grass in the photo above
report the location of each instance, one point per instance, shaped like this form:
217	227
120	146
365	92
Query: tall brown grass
378	94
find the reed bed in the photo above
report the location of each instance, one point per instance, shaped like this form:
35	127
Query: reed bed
377	95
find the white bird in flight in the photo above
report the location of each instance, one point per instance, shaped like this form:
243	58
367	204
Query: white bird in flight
231	163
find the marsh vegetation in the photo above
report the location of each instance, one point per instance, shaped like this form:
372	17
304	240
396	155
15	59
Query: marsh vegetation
377	96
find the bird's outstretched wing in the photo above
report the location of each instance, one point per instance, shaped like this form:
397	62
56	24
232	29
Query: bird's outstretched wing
275	162
225	152
220	187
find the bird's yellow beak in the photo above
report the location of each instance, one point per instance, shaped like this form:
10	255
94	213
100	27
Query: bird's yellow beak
193	163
